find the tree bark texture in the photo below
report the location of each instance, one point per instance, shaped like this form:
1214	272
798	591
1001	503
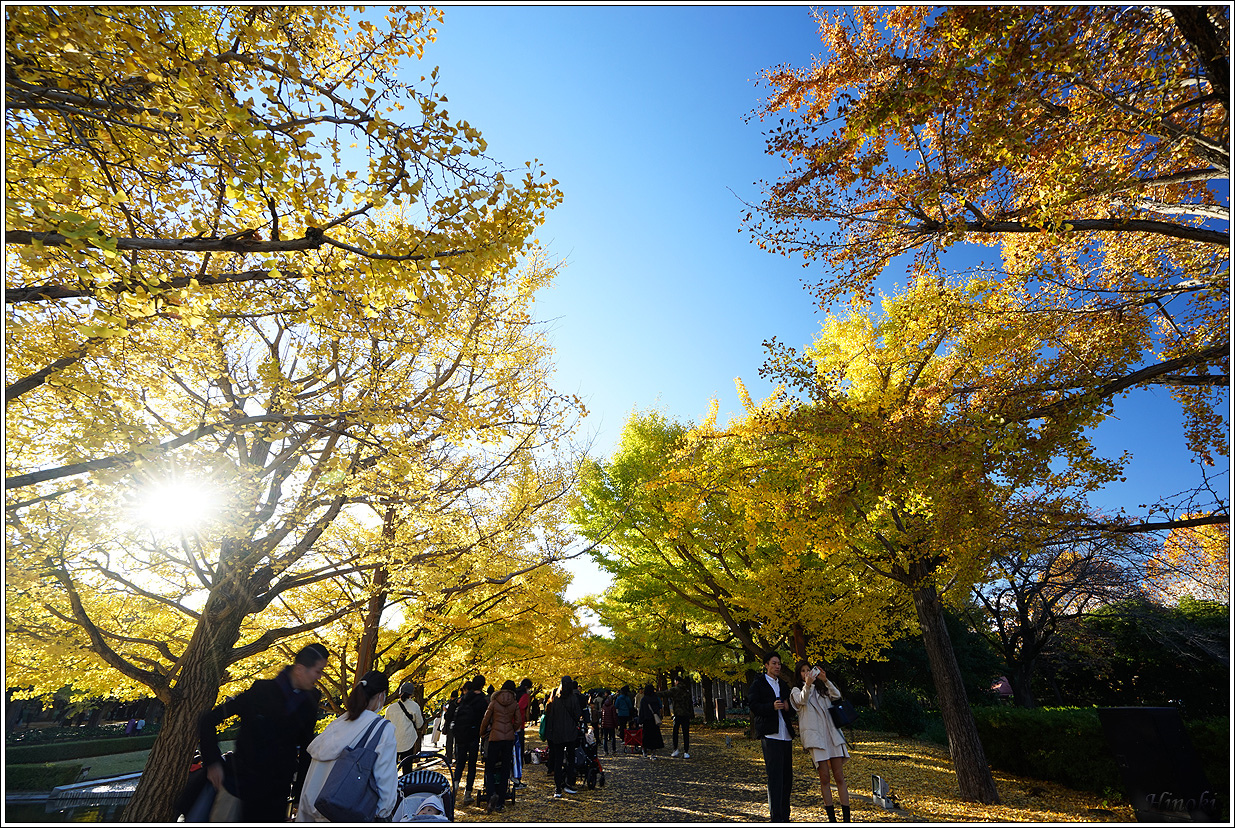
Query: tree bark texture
968	757
196	688
709	705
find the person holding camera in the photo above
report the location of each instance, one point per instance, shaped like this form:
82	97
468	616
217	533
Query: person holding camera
821	738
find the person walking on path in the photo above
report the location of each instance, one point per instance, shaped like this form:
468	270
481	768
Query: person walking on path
448	724
277	717
821	738
366	698
769	708
523	698
562	715
624	705
499	727
471	712
683	705
649	715
408	720
608	723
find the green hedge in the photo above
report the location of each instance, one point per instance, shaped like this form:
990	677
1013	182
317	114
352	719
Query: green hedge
1067	745
1064	744
39	777
62	751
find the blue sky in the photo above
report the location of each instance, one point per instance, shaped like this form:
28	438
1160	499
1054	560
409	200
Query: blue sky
639	112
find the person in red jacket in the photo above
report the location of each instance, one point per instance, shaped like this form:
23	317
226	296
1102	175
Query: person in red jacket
523	697
608	723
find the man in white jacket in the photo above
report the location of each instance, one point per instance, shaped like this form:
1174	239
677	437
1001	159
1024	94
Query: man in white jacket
366	698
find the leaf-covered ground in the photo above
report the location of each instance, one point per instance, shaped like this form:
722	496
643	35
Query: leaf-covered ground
724	781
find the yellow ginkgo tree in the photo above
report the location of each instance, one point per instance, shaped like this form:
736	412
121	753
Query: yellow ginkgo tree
211	292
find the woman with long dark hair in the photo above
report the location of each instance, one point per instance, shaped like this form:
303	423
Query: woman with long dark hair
649	712
363	702
821	738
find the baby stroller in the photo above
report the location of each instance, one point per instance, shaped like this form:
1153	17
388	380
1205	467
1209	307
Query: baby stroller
422	790
632	742
587	764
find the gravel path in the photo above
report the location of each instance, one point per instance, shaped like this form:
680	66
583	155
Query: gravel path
723	781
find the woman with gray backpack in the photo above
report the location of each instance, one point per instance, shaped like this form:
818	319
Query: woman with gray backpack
353	775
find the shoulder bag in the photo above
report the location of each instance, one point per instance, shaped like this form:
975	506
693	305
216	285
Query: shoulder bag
843	713
350	792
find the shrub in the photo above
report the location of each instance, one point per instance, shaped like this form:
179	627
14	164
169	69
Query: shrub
62	751
39	777
871	719
934	732
902	711
727	723
1067	745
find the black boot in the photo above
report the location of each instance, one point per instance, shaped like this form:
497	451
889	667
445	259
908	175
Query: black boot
831	809
844	813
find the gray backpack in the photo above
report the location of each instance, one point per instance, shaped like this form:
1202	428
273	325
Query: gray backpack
350	792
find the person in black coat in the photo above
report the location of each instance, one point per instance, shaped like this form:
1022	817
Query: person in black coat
649	709
769	709
468	716
562	718
448	725
277	717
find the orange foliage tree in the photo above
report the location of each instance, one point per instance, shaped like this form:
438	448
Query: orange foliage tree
1088	144
1195	561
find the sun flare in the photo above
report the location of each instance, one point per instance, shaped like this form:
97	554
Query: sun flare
175	507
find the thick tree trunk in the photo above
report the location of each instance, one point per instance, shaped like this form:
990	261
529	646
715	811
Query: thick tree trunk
195	691
366	651
799	642
709	704
968	757
871	684
1018	676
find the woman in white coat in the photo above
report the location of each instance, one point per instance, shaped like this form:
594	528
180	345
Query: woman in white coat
821	738
366	698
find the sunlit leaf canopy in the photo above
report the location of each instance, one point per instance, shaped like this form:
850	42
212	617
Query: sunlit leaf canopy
234	263
1089	144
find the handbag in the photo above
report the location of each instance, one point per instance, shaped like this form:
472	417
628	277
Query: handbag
226	807
656	718
843	713
350	792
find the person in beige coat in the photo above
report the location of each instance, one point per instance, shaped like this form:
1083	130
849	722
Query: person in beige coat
821	738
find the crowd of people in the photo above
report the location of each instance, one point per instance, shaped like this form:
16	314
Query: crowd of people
277	753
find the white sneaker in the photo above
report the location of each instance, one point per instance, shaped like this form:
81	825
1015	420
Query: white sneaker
685	755
569	790
674	754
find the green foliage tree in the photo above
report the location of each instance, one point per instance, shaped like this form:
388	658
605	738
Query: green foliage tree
1136	652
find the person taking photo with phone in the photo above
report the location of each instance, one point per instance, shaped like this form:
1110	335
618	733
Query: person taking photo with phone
821	738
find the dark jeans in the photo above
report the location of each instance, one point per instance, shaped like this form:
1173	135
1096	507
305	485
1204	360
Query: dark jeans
465	754
498	759
607	738
450	748
562	764
778	760
684	723
622	722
